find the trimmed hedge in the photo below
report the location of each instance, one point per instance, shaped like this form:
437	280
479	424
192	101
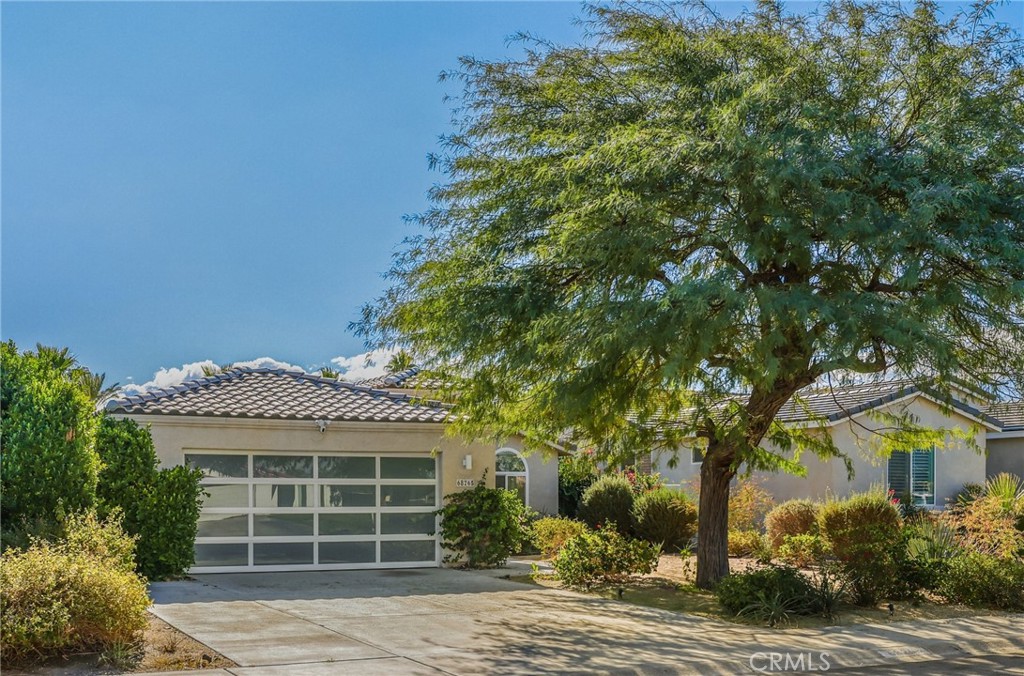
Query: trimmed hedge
608	500
665	517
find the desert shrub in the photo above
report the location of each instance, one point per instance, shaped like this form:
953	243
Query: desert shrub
550	533
665	517
748	543
1007	491
984	526
603	556
748	505
863	533
608	500
575	475
802	551
770	593
161	507
46	431
930	544
72	595
791	518
983	580
483	526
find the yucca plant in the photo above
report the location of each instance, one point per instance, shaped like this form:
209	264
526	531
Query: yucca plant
932	541
1008	490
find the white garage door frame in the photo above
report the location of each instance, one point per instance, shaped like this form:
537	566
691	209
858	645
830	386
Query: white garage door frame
310	492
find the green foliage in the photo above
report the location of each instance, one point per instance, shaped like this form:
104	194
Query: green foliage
790	519
802	551
550	533
749	503
73	595
983	580
575	475
744	543
863	532
697	205
483	526
608	500
603	556
665	517
1007	490
161	507
982	525
47	429
769	593
641	482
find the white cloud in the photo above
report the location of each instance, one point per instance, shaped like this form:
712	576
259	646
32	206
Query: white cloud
366	365
169	377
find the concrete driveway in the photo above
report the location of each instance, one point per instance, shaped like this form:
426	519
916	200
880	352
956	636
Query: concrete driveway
432	621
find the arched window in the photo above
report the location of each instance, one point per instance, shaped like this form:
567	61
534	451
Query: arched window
510	472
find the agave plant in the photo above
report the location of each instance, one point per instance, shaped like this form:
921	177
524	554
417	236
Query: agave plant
1008	490
933	541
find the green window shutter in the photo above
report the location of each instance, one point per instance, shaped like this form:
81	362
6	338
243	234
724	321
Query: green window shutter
922	471
899	473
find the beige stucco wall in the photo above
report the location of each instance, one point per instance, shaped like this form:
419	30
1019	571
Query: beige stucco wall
173	436
953	467
1006	453
541	476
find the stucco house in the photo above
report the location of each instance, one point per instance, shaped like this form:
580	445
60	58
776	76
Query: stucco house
848	414
1006	447
310	473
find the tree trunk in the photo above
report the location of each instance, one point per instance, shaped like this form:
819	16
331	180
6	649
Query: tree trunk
713	519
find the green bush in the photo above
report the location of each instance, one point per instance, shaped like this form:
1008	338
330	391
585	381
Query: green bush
47	429
161	507
483	526
744	543
74	595
770	593
608	500
863	533
603	556
802	551
983	580
575	475
749	503
551	533
791	518
665	517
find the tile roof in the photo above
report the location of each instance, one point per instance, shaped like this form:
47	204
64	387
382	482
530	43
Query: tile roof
281	394
1010	413
410	379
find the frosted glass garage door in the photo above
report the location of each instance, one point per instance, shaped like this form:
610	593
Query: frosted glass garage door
275	511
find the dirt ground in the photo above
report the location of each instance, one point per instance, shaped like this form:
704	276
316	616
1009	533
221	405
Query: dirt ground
670	587
164	649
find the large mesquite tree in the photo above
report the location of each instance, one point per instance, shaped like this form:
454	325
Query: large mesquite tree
668	231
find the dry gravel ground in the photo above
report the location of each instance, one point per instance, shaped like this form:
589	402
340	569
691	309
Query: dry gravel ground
165	649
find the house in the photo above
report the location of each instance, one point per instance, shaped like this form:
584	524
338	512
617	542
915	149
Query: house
309	473
1006	447
850	416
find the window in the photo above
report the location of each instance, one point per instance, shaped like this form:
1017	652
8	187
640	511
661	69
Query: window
510	472
696	455
913	474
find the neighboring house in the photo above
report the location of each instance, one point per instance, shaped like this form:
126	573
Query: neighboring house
1006	448
848	414
307	473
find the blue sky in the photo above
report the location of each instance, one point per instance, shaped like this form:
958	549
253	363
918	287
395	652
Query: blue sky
223	181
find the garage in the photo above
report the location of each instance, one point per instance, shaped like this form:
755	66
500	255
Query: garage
315	511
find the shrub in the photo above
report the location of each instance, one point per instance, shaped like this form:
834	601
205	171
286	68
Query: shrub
747	543
641	482
46	431
802	551
863	532
665	517
770	593
575	475
976	579
483	526
748	505
551	533
73	595
608	500
791	518
161	507
603	556
984	526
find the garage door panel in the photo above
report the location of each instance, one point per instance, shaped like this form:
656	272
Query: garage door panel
309	511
